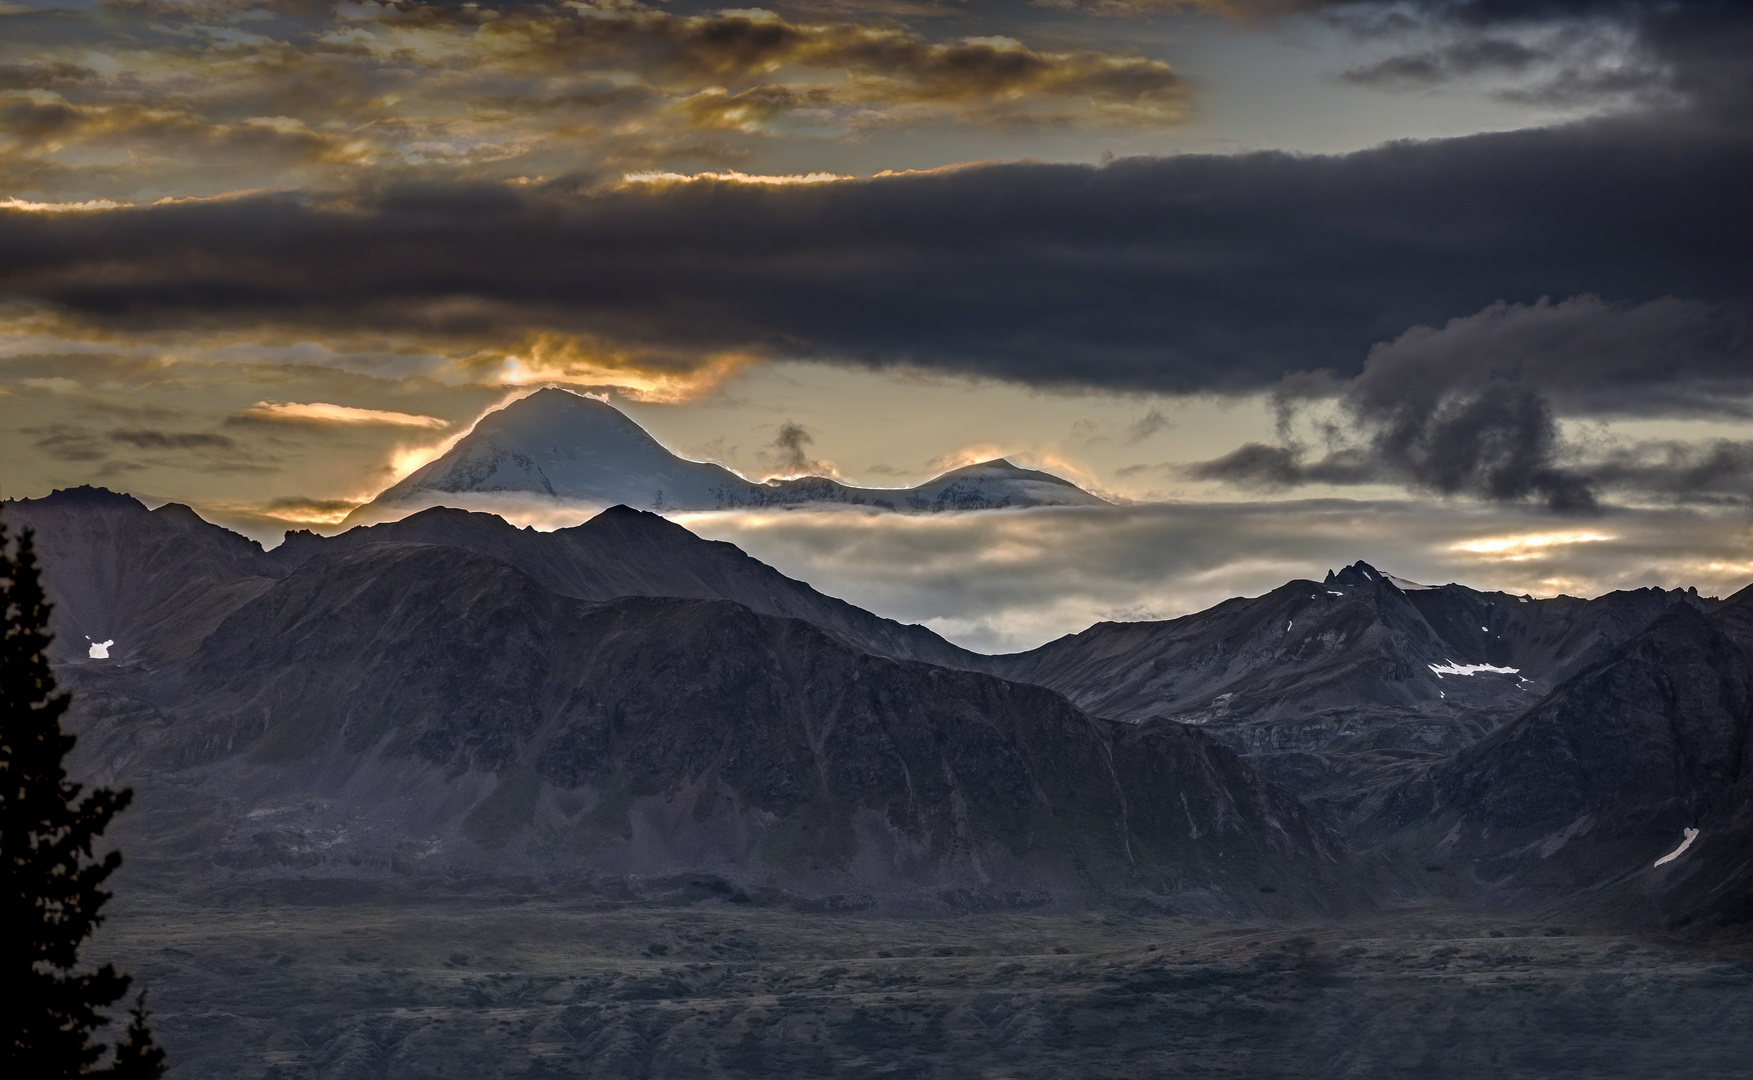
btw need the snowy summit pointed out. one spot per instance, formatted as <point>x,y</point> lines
<point>558,448</point>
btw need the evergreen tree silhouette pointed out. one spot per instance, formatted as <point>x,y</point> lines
<point>52,887</point>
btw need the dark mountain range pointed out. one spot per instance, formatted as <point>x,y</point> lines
<point>626,552</point>
<point>1337,686</point>
<point>375,705</point>
<point>557,448</point>
<point>154,582</point>
<point>450,695</point>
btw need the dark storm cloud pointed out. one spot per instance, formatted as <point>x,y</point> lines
<point>1472,407</point>
<point>1717,472</point>
<point>1181,274</point>
<point>1499,443</point>
<point>1469,408</point>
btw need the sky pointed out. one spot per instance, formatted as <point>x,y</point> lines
<point>1457,287</point>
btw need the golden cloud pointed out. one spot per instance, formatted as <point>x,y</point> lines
<point>1520,546</point>
<point>344,96</point>
<point>732,177</point>
<point>321,412</point>
<point>557,360</point>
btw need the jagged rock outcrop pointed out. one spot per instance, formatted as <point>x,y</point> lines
<point>1340,687</point>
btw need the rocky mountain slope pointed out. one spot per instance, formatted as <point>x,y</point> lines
<point>449,695</point>
<point>392,705</point>
<point>627,552</point>
<point>556,448</point>
<point>1338,686</point>
<point>153,583</point>
<point>1628,787</point>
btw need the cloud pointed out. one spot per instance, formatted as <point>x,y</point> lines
<point>303,508</point>
<point>1471,408</point>
<point>321,412</point>
<point>267,521</point>
<point>1594,66</point>
<point>132,106</point>
<point>111,453</point>
<point>1147,425</point>
<point>1266,467</point>
<point>789,452</point>
<point>790,444</point>
<point>884,60</point>
<point>732,177</point>
<point>1499,443</point>
<point>1453,61</point>
<point>1717,471</point>
<point>1183,275</point>
<point>171,440</point>
<point>1246,10</point>
<point>977,577</point>
<point>1253,465</point>
<point>1468,408</point>
<point>1623,54</point>
<point>1567,349</point>
<point>68,443</point>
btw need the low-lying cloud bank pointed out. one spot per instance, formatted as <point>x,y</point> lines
<point>1007,581</point>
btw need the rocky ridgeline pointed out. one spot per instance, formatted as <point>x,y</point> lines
<point>396,701</point>
<point>448,697</point>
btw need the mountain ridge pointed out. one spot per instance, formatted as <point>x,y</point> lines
<point>513,690</point>
<point>393,703</point>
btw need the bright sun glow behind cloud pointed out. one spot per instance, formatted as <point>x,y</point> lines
<point>555,360</point>
<point>1526,546</point>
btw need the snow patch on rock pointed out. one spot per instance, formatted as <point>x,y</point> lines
<point>1449,667</point>
<point>1691,835</point>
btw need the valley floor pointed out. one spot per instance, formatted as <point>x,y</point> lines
<point>247,987</point>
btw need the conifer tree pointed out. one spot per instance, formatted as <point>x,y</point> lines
<point>51,886</point>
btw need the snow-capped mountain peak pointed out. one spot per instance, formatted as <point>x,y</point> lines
<point>565,450</point>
